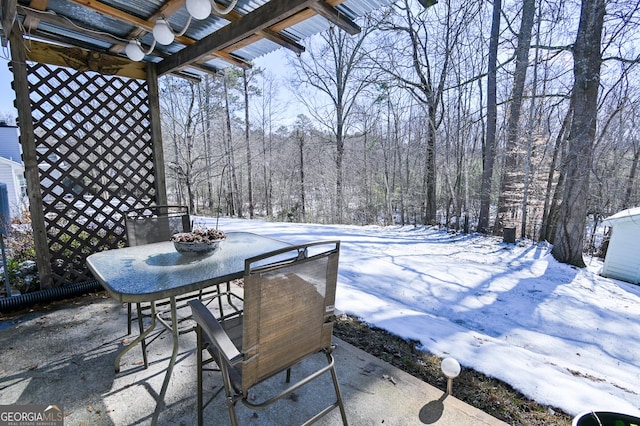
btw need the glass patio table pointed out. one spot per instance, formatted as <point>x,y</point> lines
<point>154,272</point>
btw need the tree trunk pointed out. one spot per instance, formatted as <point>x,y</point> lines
<point>547,223</point>
<point>266,173</point>
<point>632,175</point>
<point>189,129</point>
<point>339,157</point>
<point>587,58</point>
<point>247,141</point>
<point>208,148</point>
<point>233,202</point>
<point>489,149</point>
<point>531,129</point>
<point>430,171</point>
<point>226,138</point>
<point>507,203</point>
<point>301,156</point>
<point>386,153</point>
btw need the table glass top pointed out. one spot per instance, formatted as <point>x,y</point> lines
<point>155,271</point>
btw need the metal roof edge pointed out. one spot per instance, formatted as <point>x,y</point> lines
<point>631,214</point>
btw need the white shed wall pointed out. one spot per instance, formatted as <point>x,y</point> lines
<point>623,255</point>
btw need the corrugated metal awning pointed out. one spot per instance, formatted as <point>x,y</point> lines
<point>252,29</point>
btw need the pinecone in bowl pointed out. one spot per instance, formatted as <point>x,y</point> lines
<point>198,242</point>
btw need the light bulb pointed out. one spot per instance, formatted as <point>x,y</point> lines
<point>133,51</point>
<point>162,32</point>
<point>450,368</point>
<point>199,9</point>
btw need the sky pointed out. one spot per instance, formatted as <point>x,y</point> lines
<point>563,336</point>
<point>7,96</point>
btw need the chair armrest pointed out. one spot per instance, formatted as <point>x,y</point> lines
<point>214,331</point>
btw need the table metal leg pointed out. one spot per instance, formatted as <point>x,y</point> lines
<point>173,327</point>
<point>143,343</point>
<point>138,339</point>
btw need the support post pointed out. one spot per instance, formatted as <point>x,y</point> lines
<point>27,140</point>
<point>156,134</point>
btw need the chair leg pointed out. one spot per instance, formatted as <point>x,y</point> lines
<point>336,386</point>
<point>143,343</point>
<point>128,319</point>
<point>228,390</point>
<point>199,378</point>
<point>219,301</point>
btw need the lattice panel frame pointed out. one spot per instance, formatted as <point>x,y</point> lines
<point>95,161</point>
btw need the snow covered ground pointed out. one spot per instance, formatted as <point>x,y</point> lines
<point>561,335</point>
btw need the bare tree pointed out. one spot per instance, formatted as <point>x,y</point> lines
<point>268,110</point>
<point>210,111</point>
<point>587,59</point>
<point>489,146</point>
<point>335,70</point>
<point>186,162</point>
<point>423,152</point>
<point>234,196</point>
<point>508,191</point>
<point>247,90</point>
<point>552,193</point>
<point>413,65</point>
<point>302,130</point>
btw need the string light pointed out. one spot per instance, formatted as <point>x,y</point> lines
<point>199,9</point>
<point>134,50</point>
<point>164,34</point>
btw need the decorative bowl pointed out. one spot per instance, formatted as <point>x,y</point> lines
<point>198,242</point>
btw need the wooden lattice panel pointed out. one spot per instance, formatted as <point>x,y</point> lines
<point>95,159</point>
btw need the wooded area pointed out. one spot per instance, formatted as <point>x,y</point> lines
<point>469,114</point>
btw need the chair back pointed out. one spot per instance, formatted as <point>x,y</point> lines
<point>289,297</point>
<point>154,224</point>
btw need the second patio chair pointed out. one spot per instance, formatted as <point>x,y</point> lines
<point>288,317</point>
<point>153,224</point>
<point>147,225</point>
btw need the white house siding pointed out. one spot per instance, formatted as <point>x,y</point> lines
<point>623,255</point>
<point>12,174</point>
<point>11,168</point>
<point>9,143</point>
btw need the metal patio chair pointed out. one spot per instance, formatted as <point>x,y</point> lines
<point>154,224</point>
<point>288,316</point>
<point>147,225</point>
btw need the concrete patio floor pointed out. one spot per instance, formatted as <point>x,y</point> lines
<point>63,353</point>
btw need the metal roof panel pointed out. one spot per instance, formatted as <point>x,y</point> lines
<point>93,21</point>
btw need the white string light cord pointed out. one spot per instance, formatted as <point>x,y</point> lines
<point>201,9</point>
<point>224,11</point>
<point>133,47</point>
<point>52,13</point>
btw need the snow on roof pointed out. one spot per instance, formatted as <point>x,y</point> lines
<point>624,215</point>
<point>13,164</point>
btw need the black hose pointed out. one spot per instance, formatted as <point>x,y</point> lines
<point>13,303</point>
